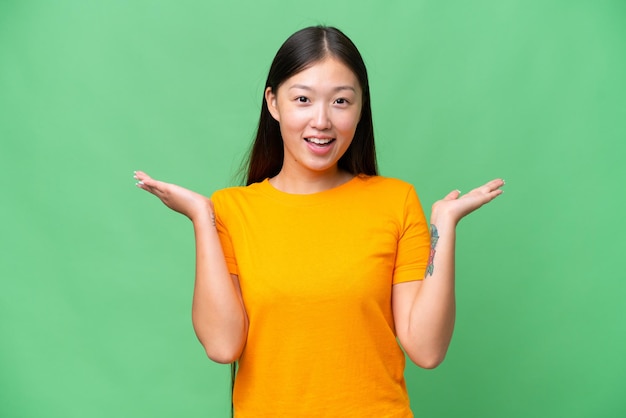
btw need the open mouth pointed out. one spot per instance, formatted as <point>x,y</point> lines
<point>319,141</point>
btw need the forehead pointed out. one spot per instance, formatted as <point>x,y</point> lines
<point>328,73</point>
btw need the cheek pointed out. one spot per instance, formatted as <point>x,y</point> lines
<point>348,123</point>
<point>293,121</point>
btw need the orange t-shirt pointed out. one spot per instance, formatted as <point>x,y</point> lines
<point>316,274</point>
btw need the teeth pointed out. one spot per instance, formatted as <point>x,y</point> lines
<point>319,141</point>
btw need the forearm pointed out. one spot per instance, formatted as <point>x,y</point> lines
<point>433,311</point>
<point>424,311</point>
<point>218,314</point>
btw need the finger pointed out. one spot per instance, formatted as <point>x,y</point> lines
<point>488,187</point>
<point>152,183</point>
<point>148,184</point>
<point>493,185</point>
<point>453,195</point>
<point>146,180</point>
<point>140,175</point>
<point>157,188</point>
<point>488,197</point>
<point>147,188</point>
<point>495,193</point>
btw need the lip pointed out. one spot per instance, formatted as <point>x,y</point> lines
<point>322,137</point>
<point>320,149</point>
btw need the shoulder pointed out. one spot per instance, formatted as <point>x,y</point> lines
<point>234,199</point>
<point>391,193</point>
<point>385,185</point>
<point>236,192</point>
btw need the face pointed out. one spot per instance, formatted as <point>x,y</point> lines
<point>318,110</point>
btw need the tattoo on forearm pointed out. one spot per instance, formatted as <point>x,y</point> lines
<point>434,237</point>
<point>213,218</point>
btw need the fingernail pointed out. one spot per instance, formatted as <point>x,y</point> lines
<point>139,183</point>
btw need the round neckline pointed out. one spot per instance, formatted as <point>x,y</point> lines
<point>310,198</point>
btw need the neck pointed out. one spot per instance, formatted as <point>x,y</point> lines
<point>309,183</point>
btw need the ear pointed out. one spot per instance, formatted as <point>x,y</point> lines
<point>270,99</point>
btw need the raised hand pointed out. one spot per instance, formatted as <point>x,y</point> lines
<point>179,199</point>
<point>456,206</point>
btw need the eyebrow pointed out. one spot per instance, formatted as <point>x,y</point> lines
<point>338,88</point>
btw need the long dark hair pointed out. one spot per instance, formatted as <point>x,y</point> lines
<point>301,50</point>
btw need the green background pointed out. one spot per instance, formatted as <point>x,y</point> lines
<point>96,276</point>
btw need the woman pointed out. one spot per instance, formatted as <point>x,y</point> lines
<point>311,274</point>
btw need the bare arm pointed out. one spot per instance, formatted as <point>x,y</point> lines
<point>218,313</point>
<point>424,311</point>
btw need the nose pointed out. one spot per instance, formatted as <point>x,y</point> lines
<point>321,118</point>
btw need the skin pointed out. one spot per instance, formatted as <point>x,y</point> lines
<point>424,311</point>
<point>218,314</point>
<point>323,101</point>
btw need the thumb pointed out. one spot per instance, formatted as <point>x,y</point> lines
<point>453,195</point>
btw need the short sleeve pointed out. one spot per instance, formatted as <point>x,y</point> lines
<point>222,231</point>
<point>413,243</point>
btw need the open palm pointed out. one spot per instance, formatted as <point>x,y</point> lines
<point>456,206</point>
<point>179,199</point>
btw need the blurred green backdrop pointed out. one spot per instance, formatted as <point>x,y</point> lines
<point>96,276</point>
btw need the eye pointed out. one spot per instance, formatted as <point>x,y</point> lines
<point>302,99</point>
<point>341,101</point>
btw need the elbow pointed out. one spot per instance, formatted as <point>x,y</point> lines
<point>426,359</point>
<point>222,357</point>
<point>222,354</point>
<point>222,349</point>
<point>428,362</point>
<point>222,345</point>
